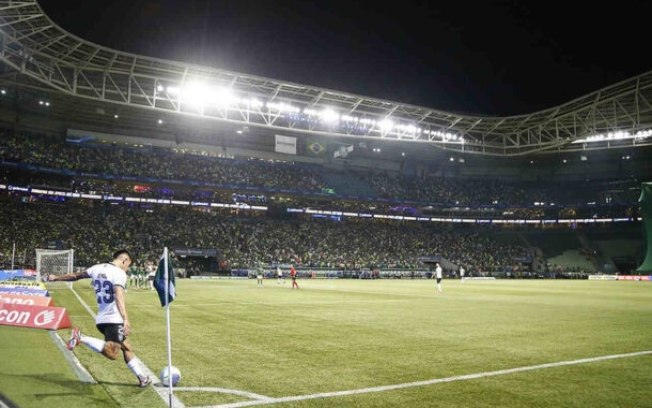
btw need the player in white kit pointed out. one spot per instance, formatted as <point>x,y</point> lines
<point>438,275</point>
<point>279,275</point>
<point>109,281</point>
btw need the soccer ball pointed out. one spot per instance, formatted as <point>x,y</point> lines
<point>165,376</point>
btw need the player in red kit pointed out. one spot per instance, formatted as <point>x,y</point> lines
<point>293,275</point>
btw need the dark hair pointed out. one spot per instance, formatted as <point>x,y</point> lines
<point>117,253</point>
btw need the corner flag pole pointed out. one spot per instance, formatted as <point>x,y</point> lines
<point>167,317</point>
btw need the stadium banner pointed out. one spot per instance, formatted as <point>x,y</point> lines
<point>196,252</point>
<point>286,144</point>
<point>602,277</point>
<point>634,277</point>
<point>22,284</point>
<point>26,300</point>
<point>315,148</point>
<point>8,274</point>
<point>24,291</point>
<point>35,317</point>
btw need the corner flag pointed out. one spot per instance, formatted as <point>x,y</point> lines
<point>164,281</point>
<point>164,284</point>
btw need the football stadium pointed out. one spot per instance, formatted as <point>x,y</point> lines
<point>279,244</point>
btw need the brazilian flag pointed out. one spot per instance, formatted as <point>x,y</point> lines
<point>315,148</point>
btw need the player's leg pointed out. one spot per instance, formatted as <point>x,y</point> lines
<point>113,336</point>
<point>109,349</point>
<point>93,343</point>
<point>134,364</point>
<point>116,341</point>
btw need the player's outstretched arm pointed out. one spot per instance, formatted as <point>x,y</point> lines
<point>68,277</point>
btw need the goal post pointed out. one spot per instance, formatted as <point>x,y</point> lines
<point>54,262</point>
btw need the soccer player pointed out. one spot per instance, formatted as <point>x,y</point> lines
<point>259,276</point>
<point>293,275</point>
<point>462,271</point>
<point>109,280</point>
<point>279,274</point>
<point>151,273</point>
<point>437,275</point>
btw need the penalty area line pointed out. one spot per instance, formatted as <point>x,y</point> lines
<point>430,382</point>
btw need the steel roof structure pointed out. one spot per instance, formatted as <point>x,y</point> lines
<point>35,47</point>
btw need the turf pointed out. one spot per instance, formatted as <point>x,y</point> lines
<point>336,335</point>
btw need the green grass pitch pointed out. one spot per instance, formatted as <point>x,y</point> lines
<point>339,335</point>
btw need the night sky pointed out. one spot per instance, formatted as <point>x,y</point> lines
<point>484,57</point>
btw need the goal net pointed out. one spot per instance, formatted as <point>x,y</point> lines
<point>53,262</point>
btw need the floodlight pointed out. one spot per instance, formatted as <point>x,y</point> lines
<point>618,135</point>
<point>223,96</point>
<point>386,125</point>
<point>195,94</point>
<point>329,116</point>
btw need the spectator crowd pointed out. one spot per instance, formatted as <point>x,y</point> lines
<point>95,228</point>
<point>176,169</point>
<point>247,239</point>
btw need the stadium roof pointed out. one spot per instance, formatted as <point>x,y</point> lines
<point>46,56</point>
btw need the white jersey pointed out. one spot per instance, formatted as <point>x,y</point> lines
<point>438,272</point>
<point>462,272</point>
<point>105,277</point>
<point>279,272</point>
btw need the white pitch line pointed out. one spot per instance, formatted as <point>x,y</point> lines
<point>163,392</point>
<point>227,391</point>
<point>427,382</point>
<point>71,358</point>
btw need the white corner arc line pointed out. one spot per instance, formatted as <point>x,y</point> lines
<point>227,391</point>
<point>429,382</point>
<point>163,392</point>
